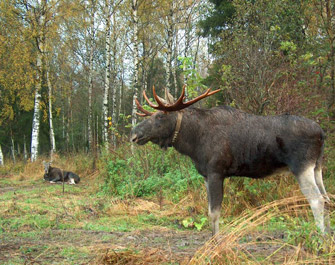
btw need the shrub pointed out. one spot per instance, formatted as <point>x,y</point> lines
<point>149,171</point>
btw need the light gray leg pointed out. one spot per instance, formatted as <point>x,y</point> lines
<point>309,188</point>
<point>214,186</point>
<point>319,183</point>
<point>71,181</point>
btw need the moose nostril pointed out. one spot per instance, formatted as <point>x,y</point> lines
<point>133,138</point>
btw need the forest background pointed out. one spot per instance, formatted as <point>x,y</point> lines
<point>69,73</point>
<point>70,70</point>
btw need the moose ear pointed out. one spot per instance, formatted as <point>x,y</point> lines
<point>169,98</point>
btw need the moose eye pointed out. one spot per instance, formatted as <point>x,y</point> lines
<point>160,117</point>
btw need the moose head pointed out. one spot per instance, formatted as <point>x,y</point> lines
<point>162,127</point>
<point>46,167</point>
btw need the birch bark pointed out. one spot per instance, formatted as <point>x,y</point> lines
<point>114,82</point>
<point>52,134</point>
<point>169,49</point>
<point>25,153</point>
<point>107,75</point>
<point>136,62</point>
<point>2,163</point>
<point>90,78</point>
<point>36,117</point>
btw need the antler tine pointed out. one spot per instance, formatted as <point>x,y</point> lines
<point>179,105</point>
<point>161,105</point>
<point>213,92</point>
<point>145,112</point>
<point>181,98</point>
<point>204,95</point>
<point>148,100</point>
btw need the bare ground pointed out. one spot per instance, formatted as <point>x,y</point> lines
<point>144,245</point>
<point>47,246</point>
<point>171,246</point>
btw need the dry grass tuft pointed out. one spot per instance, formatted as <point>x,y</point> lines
<point>122,256</point>
<point>227,248</point>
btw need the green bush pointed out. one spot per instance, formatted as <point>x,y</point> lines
<point>150,171</point>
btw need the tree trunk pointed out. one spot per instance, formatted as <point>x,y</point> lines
<point>114,86</point>
<point>169,49</point>
<point>107,77</point>
<point>13,149</point>
<point>90,78</point>
<point>25,153</point>
<point>2,163</point>
<point>52,134</point>
<point>36,117</point>
<point>136,62</point>
<point>175,69</point>
<point>68,126</point>
<point>332,72</point>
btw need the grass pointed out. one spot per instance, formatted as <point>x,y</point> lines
<point>299,241</point>
<point>40,224</point>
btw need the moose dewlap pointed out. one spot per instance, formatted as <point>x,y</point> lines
<point>223,142</point>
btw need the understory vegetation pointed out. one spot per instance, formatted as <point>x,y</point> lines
<point>131,204</point>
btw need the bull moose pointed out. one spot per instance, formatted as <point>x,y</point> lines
<point>224,142</point>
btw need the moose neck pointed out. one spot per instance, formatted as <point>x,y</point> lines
<point>186,135</point>
<point>177,128</point>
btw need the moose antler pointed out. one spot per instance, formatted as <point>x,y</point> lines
<point>145,112</point>
<point>178,105</point>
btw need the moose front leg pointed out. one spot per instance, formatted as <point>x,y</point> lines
<point>56,179</point>
<point>214,186</point>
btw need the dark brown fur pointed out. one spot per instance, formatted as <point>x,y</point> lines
<point>224,142</point>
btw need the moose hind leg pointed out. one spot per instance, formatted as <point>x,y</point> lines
<point>319,183</point>
<point>214,186</point>
<point>309,188</point>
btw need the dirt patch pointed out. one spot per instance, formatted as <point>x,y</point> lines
<point>165,245</point>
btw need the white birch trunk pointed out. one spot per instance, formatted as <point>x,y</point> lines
<point>25,153</point>
<point>107,77</point>
<point>175,66</point>
<point>67,133</point>
<point>121,87</point>
<point>114,107</point>
<point>136,63</point>
<point>169,49</point>
<point>90,78</point>
<point>52,134</point>
<point>36,117</point>
<point>186,51</point>
<point>2,163</point>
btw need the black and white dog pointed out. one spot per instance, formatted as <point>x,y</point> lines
<point>54,174</point>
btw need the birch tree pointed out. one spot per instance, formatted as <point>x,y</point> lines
<point>90,75</point>
<point>107,72</point>
<point>51,134</point>
<point>136,60</point>
<point>38,28</point>
<point>170,32</point>
<point>115,110</point>
<point>2,163</point>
